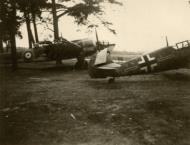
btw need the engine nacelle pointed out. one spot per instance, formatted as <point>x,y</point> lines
<point>88,46</point>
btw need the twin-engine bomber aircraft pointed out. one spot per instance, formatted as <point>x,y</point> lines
<point>64,49</point>
<point>168,58</point>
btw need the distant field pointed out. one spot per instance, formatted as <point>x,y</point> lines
<point>61,106</point>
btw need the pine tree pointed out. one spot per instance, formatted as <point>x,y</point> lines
<point>80,11</point>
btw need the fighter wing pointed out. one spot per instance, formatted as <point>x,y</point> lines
<point>110,66</point>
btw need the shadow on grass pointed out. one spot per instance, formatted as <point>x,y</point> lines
<point>64,68</point>
<point>103,84</point>
<point>122,84</point>
<point>177,76</point>
<point>171,121</point>
<point>51,67</point>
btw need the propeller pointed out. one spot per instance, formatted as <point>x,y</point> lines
<point>100,45</point>
<point>97,41</point>
<point>167,43</point>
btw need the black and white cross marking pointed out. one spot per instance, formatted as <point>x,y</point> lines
<point>147,63</point>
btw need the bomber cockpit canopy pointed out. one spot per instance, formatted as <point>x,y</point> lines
<point>182,44</point>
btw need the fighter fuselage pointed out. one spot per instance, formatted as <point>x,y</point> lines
<point>163,59</point>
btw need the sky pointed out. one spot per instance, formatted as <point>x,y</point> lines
<point>141,25</point>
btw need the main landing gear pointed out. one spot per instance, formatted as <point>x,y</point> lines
<point>81,63</point>
<point>111,80</point>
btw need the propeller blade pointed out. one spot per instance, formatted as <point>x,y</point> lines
<point>167,43</point>
<point>97,40</point>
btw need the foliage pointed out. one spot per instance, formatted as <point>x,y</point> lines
<point>29,6</point>
<point>33,6</point>
<point>83,9</point>
<point>7,22</point>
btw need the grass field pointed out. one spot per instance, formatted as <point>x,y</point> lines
<point>60,106</point>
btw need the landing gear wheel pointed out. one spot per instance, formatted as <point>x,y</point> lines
<point>111,80</point>
<point>81,65</point>
<point>77,65</point>
<point>28,56</point>
<point>85,64</point>
<point>58,62</point>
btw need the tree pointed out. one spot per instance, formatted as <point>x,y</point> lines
<point>25,7</point>
<point>10,24</point>
<point>35,26</point>
<point>1,39</point>
<point>32,9</point>
<point>55,21</point>
<point>36,10</point>
<point>80,11</point>
<point>12,35</point>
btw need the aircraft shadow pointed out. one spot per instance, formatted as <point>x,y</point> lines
<point>48,66</point>
<point>121,84</point>
<point>140,80</point>
<point>177,76</point>
<point>59,68</point>
<point>103,84</point>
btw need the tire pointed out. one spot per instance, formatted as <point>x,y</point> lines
<point>111,80</point>
<point>81,65</point>
<point>85,64</point>
<point>28,56</point>
<point>77,65</point>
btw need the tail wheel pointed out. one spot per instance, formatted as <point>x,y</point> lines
<point>28,56</point>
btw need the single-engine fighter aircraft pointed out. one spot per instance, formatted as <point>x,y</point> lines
<point>64,49</point>
<point>168,58</point>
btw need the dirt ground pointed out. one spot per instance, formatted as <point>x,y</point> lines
<point>61,106</point>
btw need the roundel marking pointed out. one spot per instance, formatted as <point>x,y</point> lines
<point>28,55</point>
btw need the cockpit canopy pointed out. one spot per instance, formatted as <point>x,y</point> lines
<point>182,44</point>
